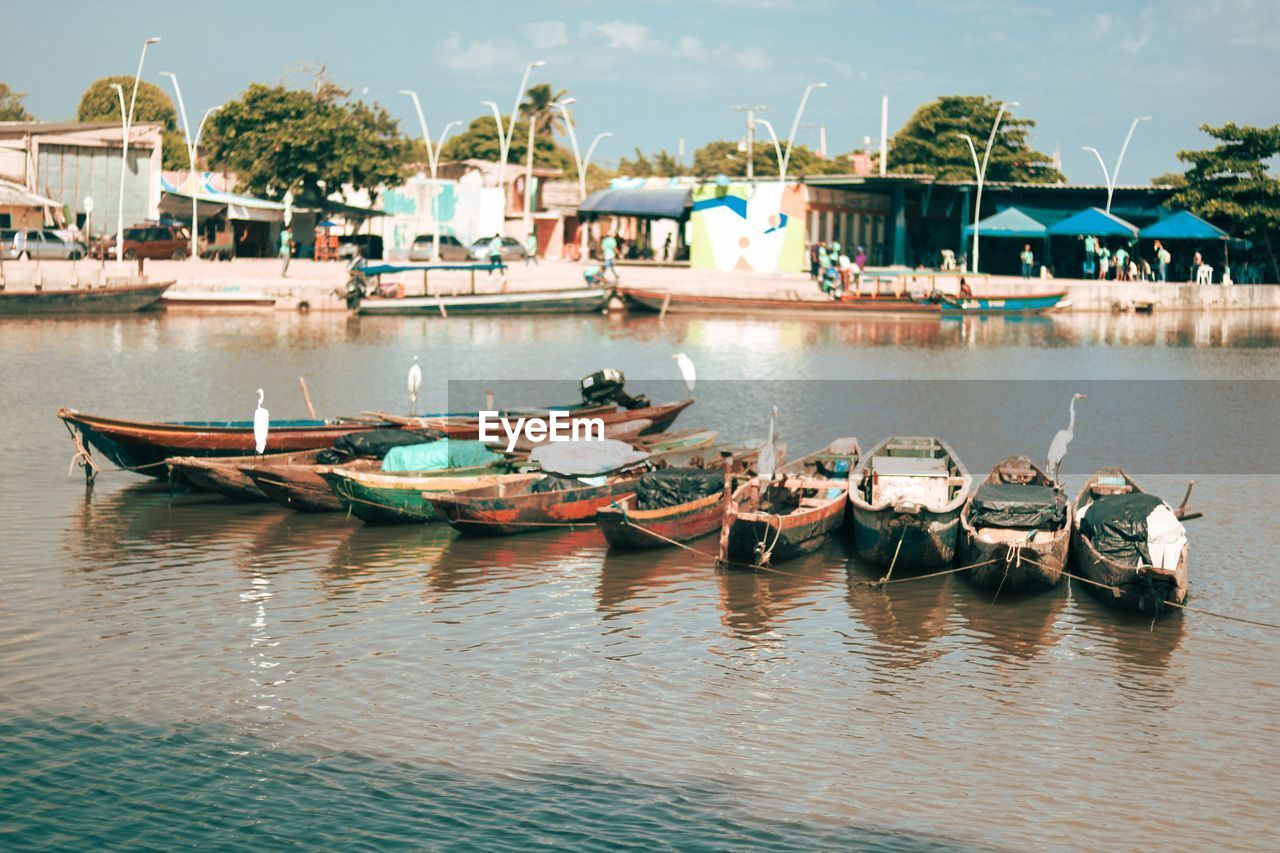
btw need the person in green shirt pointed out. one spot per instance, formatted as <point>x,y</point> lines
<point>1104,261</point>
<point>593,276</point>
<point>286,250</point>
<point>1028,260</point>
<point>1122,264</point>
<point>495,254</point>
<point>531,249</point>
<point>609,250</point>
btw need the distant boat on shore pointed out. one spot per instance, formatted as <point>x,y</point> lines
<point>112,299</point>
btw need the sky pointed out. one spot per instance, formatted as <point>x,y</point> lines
<point>655,72</point>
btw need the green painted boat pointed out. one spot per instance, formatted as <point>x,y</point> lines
<point>377,497</point>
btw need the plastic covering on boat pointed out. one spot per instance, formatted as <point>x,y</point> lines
<point>1017,505</point>
<point>376,443</point>
<point>554,483</point>
<point>674,486</point>
<point>439,455</point>
<point>1136,529</point>
<point>586,458</point>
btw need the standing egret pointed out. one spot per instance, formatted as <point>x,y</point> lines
<point>686,370</point>
<point>261,425</point>
<point>415,382</point>
<point>1058,448</point>
<point>768,460</point>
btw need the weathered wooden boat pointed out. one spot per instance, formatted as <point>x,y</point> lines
<point>1130,543</point>
<point>506,509</point>
<point>906,498</point>
<point>659,416</point>
<point>112,299</point>
<point>678,503</point>
<point>222,474</point>
<point>575,300</point>
<point>297,483</point>
<point>793,514</point>
<point>1027,303</point>
<point>143,446</point>
<point>378,497</point>
<point>666,301</point>
<point>1015,530</point>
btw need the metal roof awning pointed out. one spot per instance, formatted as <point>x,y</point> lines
<point>16,195</point>
<point>1183,225</point>
<point>1093,221</point>
<point>643,203</point>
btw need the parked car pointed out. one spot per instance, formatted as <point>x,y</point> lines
<point>157,242</point>
<point>451,249</point>
<point>368,246</point>
<point>512,249</point>
<point>43,244</point>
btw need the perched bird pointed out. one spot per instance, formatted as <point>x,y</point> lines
<point>768,461</point>
<point>1058,447</point>
<point>415,382</point>
<point>261,425</point>
<point>686,370</point>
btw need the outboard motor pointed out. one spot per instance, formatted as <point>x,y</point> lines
<point>606,386</point>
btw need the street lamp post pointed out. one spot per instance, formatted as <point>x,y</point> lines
<point>580,161</point>
<point>193,146</point>
<point>433,160</point>
<point>506,134</point>
<point>127,123</point>
<point>982,171</point>
<point>795,125</point>
<point>1113,177</point>
<point>777,148</point>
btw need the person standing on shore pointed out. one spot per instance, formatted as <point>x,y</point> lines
<point>609,250</point>
<point>286,250</point>
<point>531,249</point>
<point>1028,260</point>
<point>1122,263</point>
<point>495,254</point>
<point>813,261</point>
<point>1162,262</point>
<point>1104,261</point>
<point>1090,256</point>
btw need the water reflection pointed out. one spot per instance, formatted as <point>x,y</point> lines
<point>898,626</point>
<point>1011,627</point>
<point>1140,649</point>
<point>637,581</point>
<point>755,604</point>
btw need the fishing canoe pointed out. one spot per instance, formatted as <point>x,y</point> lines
<point>1131,582</point>
<point>1015,530</point>
<point>1030,303</point>
<point>113,299</point>
<point>143,446</point>
<point>223,475</point>
<point>659,417</point>
<point>851,306</point>
<point>566,301</point>
<point>506,509</point>
<point>795,514</point>
<point>296,483</point>
<point>906,497</point>
<point>377,497</point>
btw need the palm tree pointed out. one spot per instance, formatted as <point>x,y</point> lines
<point>537,103</point>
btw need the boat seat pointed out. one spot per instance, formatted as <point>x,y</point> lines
<point>1017,473</point>
<point>1103,489</point>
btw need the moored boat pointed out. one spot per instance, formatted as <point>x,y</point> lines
<point>851,305</point>
<point>1024,303</point>
<point>794,513</point>
<point>906,498</point>
<point>297,483</point>
<point>575,300</point>
<point>111,299</point>
<point>1015,530</point>
<point>1129,543</point>
<point>377,497</point>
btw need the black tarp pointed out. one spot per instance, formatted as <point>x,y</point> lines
<point>1117,526</point>
<point>1020,506</point>
<point>674,486</point>
<point>376,443</point>
<point>555,483</point>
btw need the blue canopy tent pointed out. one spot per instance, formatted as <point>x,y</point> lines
<point>1093,222</point>
<point>1010,222</point>
<point>1183,225</point>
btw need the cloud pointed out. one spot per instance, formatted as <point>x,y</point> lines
<point>1135,44</point>
<point>755,59</point>
<point>844,69</point>
<point>545,35</point>
<point>1102,23</point>
<point>623,35</point>
<point>476,55</point>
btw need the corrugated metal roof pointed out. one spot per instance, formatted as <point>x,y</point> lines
<point>16,195</point>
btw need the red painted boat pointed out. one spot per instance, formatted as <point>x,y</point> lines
<point>143,446</point>
<point>659,417</point>
<point>507,509</point>
<point>851,305</point>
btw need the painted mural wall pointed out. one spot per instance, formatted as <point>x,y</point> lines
<point>466,208</point>
<point>751,227</point>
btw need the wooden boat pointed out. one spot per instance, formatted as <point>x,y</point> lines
<point>296,483</point>
<point>143,446</point>
<point>1015,529</point>
<point>795,514</point>
<point>1027,303</point>
<point>377,497</point>
<point>1132,582</point>
<point>112,299</point>
<point>626,523</point>
<point>669,301</point>
<point>576,300</point>
<point>222,474</point>
<point>906,497</point>
<point>506,509</point>
<point>660,416</point>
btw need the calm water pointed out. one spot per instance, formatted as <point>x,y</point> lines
<point>176,669</point>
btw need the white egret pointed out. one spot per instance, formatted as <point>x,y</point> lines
<point>686,370</point>
<point>1058,448</point>
<point>415,382</point>
<point>768,455</point>
<point>261,425</point>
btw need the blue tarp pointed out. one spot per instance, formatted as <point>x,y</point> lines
<point>439,455</point>
<point>652,204</point>
<point>1183,225</point>
<point>1093,221</point>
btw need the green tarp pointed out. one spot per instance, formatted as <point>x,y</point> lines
<point>439,455</point>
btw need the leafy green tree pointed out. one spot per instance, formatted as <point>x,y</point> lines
<point>277,139</point>
<point>929,143</point>
<point>11,108</point>
<point>101,103</point>
<point>538,100</point>
<point>1169,179</point>
<point>722,157</point>
<point>480,142</point>
<point>662,163</point>
<point>1231,184</point>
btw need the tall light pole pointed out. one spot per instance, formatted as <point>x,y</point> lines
<point>433,160</point>
<point>777,147</point>
<point>1112,178</point>
<point>751,111</point>
<point>795,125</point>
<point>127,119</point>
<point>193,146</point>
<point>506,134</point>
<point>580,161</point>
<point>982,171</point>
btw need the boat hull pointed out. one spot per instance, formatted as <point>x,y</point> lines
<point>1029,567</point>
<point>82,300</point>
<point>928,539</point>
<point>214,475</point>
<point>508,515</point>
<point>377,498</point>
<point>659,418</point>
<point>1032,303</point>
<point>661,300</point>
<point>1144,590</point>
<point>627,528</point>
<point>569,301</point>
<point>754,537</point>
